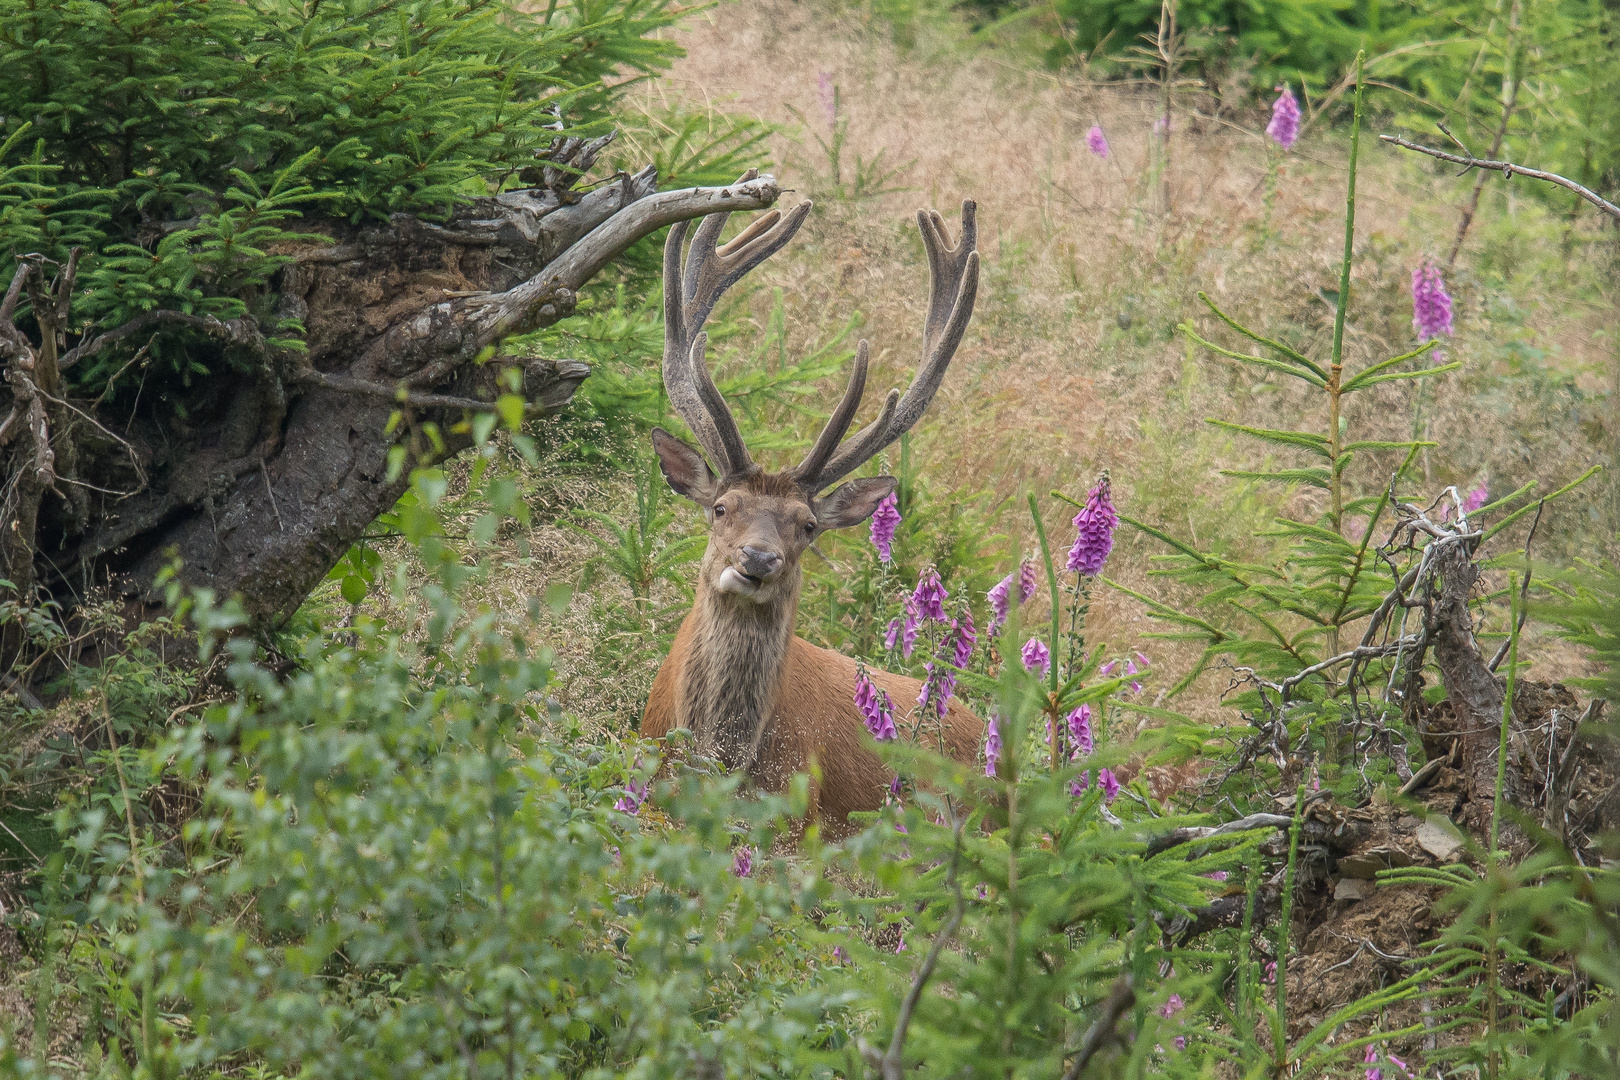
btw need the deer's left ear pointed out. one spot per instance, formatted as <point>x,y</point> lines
<point>854,502</point>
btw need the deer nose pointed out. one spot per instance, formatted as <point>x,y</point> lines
<point>759,563</point>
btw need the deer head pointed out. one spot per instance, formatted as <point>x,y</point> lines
<point>761,522</point>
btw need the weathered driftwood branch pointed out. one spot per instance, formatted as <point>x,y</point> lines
<point>278,461</point>
<point>1509,170</point>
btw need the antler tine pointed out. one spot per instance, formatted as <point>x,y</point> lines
<point>736,459</point>
<point>953,288</point>
<point>690,294</point>
<point>722,268</point>
<point>684,396</point>
<point>946,265</point>
<point>702,255</point>
<point>838,423</point>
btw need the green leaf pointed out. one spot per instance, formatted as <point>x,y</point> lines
<point>1304,440</point>
<point>1368,375</point>
<point>1260,361</point>
<point>353,588</point>
<point>1313,477</point>
<point>1270,343</point>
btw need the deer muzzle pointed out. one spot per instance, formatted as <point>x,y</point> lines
<point>751,569</point>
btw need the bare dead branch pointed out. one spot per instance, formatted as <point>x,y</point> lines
<point>206,323</point>
<point>1120,998</point>
<point>1509,170</point>
<point>893,1062</point>
<point>1177,837</point>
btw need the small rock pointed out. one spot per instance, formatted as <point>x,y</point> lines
<point>1350,888</point>
<point>1407,823</point>
<point>1367,864</point>
<point>1440,842</point>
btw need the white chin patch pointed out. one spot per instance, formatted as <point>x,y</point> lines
<point>731,581</point>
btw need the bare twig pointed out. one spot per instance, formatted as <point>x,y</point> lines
<point>1177,837</point>
<point>269,490</point>
<point>1508,169</point>
<point>1120,998</point>
<point>236,329</point>
<point>396,392</point>
<point>892,1065</point>
<point>1524,591</point>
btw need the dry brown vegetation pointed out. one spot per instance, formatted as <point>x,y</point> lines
<point>1073,363</point>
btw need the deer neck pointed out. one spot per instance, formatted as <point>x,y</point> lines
<point>733,672</point>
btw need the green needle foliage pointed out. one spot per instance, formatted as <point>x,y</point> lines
<point>1289,625</point>
<point>178,141</point>
<point>642,552</point>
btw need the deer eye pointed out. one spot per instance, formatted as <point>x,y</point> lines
<point>719,510</point>
<point>810,528</point>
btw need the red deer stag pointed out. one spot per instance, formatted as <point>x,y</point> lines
<point>752,693</point>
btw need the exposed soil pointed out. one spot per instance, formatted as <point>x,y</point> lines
<point>1355,936</point>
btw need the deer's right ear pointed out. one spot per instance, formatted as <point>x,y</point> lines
<point>685,469</point>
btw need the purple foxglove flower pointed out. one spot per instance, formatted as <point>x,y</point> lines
<point>1000,604</point>
<point>1475,499</point>
<point>908,632</point>
<point>1373,1072</point>
<point>1109,783</point>
<point>937,688</point>
<point>839,955</point>
<point>962,640</point>
<point>992,746</point>
<point>1094,531</point>
<point>1181,1042</point>
<point>874,707</point>
<point>1080,729</point>
<point>1216,875</point>
<point>894,786</point>
<point>892,634</point>
<point>930,596</point>
<point>743,864</point>
<point>1037,655</point>
<point>1096,142</point>
<point>1108,668</point>
<point>1397,1062</point>
<point>1130,669</point>
<point>827,94</point>
<point>1284,126</point>
<point>884,521</point>
<point>1431,304</point>
<point>1080,784</point>
<point>1172,1006</point>
<point>900,948</point>
<point>1026,581</point>
<point>1271,972</point>
<point>634,795</point>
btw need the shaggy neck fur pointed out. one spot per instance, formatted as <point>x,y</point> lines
<point>738,652</point>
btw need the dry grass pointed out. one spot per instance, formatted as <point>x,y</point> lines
<point>1073,364</point>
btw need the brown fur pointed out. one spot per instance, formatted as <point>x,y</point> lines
<point>754,695</point>
<point>814,717</point>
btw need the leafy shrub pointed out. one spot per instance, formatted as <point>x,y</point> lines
<point>393,867</point>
